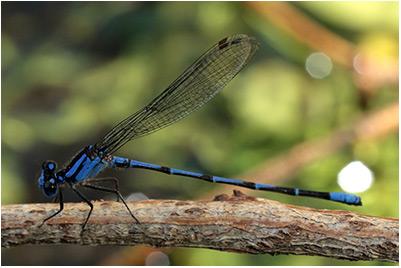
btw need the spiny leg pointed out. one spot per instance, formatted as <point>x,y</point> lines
<point>99,188</point>
<point>87,201</point>
<point>96,180</point>
<point>55,199</point>
<point>60,195</point>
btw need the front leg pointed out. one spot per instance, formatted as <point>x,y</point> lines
<point>60,195</point>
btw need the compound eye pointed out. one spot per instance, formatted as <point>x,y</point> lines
<point>50,189</point>
<point>49,166</point>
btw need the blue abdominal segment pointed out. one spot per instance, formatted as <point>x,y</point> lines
<point>349,199</point>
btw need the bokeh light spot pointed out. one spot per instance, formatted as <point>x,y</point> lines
<point>355,177</point>
<point>318,65</point>
<point>157,258</point>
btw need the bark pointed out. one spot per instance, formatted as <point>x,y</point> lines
<point>239,223</point>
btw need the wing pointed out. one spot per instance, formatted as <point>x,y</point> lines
<point>197,85</point>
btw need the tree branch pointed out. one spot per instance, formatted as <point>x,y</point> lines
<point>239,223</point>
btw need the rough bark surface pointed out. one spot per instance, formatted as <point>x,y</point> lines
<point>239,223</point>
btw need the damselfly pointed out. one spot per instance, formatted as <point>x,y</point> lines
<point>197,85</point>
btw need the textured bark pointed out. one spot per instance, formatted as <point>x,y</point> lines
<point>239,223</point>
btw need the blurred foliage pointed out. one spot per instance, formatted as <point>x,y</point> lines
<point>72,70</point>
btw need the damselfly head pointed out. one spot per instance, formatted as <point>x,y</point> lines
<point>47,180</point>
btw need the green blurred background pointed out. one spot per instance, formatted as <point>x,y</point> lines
<point>72,70</point>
